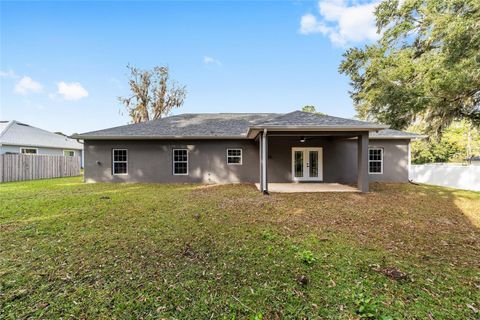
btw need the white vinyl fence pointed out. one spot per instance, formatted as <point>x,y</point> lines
<point>17,167</point>
<point>447,175</point>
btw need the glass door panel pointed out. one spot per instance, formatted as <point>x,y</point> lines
<point>313,164</point>
<point>298,164</point>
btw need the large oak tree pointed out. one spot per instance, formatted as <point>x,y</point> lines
<point>425,66</point>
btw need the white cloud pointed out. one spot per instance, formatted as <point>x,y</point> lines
<point>210,60</point>
<point>116,82</point>
<point>8,74</point>
<point>309,24</point>
<point>27,85</point>
<point>344,22</point>
<point>71,91</point>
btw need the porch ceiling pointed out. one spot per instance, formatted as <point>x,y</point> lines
<point>308,187</point>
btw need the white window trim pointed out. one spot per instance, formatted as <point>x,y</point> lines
<point>113,163</point>
<point>173,162</point>
<point>23,148</point>
<point>381,161</point>
<point>241,157</point>
<point>69,151</point>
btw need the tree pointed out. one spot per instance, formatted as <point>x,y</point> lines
<point>311,109</point>
<point>153,94</point>
<point>425,66</point>
<point>459,141</point>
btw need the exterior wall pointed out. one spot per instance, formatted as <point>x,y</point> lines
<point>339,162</point>
<point>339,159</point>
<point>395,160</point>
<point>151,160</point>
<point>41,150</point>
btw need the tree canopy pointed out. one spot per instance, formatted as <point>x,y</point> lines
<point>311,109</point>
<point>425,66</point>
<point>459,141</point>
<point>153,94</point>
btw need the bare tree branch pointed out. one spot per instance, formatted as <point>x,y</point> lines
<point>154,95</point>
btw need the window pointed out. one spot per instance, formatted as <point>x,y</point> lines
<point>375,160</point>
<point>180,161</point>
<point>68,153</point>
<point>234,156</point>
<point>120,161</point>
<point>29,150</point>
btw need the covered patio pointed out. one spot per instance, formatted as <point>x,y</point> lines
<point>308,187</point>
<point>298,153</point>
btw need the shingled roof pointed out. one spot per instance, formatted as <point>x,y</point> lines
<point>397,134</point>
<point>20,134</point>
<point>221,125</point>
<point>301,119</point>
<point>227,125</point>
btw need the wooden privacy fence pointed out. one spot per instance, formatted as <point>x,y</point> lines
<point>17,167</point>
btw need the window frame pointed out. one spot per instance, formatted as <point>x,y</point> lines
<point>68,150</point>
<point>176,161</point>
<point>118,161</point>
<point>382,153</point>
<point>25,148</point>
<point>241,157</point>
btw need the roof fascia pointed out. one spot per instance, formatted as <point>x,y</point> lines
<point>41,146</point>
<point>398,137</point>
<point>93,137</point>
<point>253,129</point>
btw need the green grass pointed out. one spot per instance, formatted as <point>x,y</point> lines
<point>116,251</point>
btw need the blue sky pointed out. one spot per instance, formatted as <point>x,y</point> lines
<point>63,64</point>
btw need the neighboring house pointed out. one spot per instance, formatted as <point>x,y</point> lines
<point>17,137</point>
<point>253,147</point>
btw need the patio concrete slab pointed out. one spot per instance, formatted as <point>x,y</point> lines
<point>308,187</point>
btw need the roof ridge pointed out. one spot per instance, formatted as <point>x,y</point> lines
<point>336,117</point>
<point>9,125</point>
<point>318,115</point>
<point>212,113</point>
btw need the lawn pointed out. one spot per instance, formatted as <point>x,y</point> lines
<point>116,251</point>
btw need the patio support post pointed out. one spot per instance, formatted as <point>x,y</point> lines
<point>362,161</point>
<point>265,161</point>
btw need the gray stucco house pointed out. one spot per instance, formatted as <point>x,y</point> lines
<point>248,147</point>
<point>18,137</point>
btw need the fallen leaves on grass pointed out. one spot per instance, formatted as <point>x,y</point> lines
<point>145,252</point>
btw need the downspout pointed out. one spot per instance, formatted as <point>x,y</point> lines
<point>260,158</point>
<point>265,162</point>
<point>409,161</point>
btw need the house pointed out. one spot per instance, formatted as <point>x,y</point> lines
<point>18,137</point>
<point>248,147</point>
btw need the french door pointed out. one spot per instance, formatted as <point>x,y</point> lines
<point>307,164</point>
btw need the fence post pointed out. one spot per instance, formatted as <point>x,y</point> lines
<point>1,168</point>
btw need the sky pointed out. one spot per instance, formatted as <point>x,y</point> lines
<point>63,64</point>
